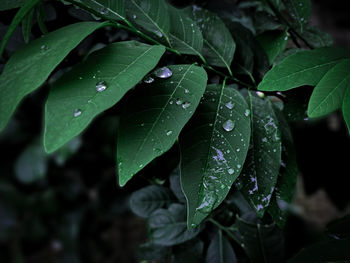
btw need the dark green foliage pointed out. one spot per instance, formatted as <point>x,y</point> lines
<point>189,83</point>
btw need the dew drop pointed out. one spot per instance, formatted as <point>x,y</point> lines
<point>229,105</point>
<point>178,101</point>
<point>231,171</point>
<point>193,225</point>
<point>134,16</point>
<point>247,112</point>
<point>44,48</point>
<point>185,105</point>
<point>103,11</point>
<point>187,91</point>
<point>158,33</point>
<point>77,113</point>
<point>168,133</point>
<point>163,73</point>
<point>228,125</point>
<point>148,80</point>
<point>260,94</point>
<point>101,86</point>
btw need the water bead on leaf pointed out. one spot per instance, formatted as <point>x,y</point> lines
<point>228,125</point>
<point>163,73</point>
<point>77,113</point>
<point>101,86</point>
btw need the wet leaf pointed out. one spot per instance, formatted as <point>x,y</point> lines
<point>299,10</point>
<point>273,42</point>
<point>110,9</point>
<point>220,250</point>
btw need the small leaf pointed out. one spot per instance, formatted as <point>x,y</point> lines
<point>155,116</point>
<point>110,9</point>
<point>273,42</point>
<point>262,243</point>
<point>303,68</point>
<point>148,199</point>
<point>220,250</point>
<point>324,252</point>
<point>218,46</point>
<point>11,4</point>
<point>287,178</point>
<point>30,66</point>
<point>300,11</point>
<point>168,226</point>
<point>213,149</point>
<point>25,9</point>
<point>259,176</point>
<point>329,92</point>
<point>346,108</point>
<point>151,16</point>
<point>185,35</point>
<point>91,87</point>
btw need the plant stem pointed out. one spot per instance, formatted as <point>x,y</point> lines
<point>227,230</point>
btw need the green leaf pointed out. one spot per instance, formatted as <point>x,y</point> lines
<point>10,4</point>
<point>93,86</point>
<point>110,9</point>
<point>324,252</point>
<point>273,42</point>
<point>151,16</point>
<point>31,165</point>
<point>300,11</point>
<point>339,228</point>
<point>220,250</point>
<point>303,68</point>
<point>25,9</point>
<point>218,46</point>
<point>155,116</point>
<point>287,178</point>
<point>175,185</point>
<point>148,199</point>
<point>185,35</point>
<point>189,252</point>
<point>168,226</point>
<point>329,92</point>
<point>30,66</point>
<point>262,243</point>
<point>346,108</point>
<point>259,176</point>
<point>27,24</point>
<point>213,149</point>
<point>317,38</point>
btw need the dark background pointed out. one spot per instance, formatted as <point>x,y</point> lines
<point>67,207</point>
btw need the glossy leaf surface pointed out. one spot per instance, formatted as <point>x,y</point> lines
<point>220,250</point>
<point>300,11</point>
<point>303,68</point>
<point>213,149</point>
<point>93,86</point>
<point>329,93</point>
<point>30,66</point>
<point>273,42</point>
<point>110,9</point>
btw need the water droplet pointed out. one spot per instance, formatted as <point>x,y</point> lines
<point>44,48</point>
<point>178,101</point>
<point>103,11</point>
<point>171,102</point>
<point>239,166</point>
<point>229,105</point>
<point>185,105</point>
<point>228,125</point>
<point>101,86</point>
<point>163,73</point>
<point>158,33</point>
<point>187,91</point>
<point>247,112</point>
<point>134,16</point>
<point>168,133</point>
<point>260,94</point>
<point>142,124</point>
<point>222,186</point>
<point>193,225</point>
<point>148,80</point>
<point>89,100</point>
<point>231,171</point>
<point>286,38</point>
<point>77,112</point>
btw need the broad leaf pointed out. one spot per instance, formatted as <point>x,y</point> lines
<point>185,36</point>
<point>30,66</point>
<point>262,243</point>
<point>273,42</point>
<point>10,4</point>
<point>346,108</point>
<point>154,117</point>
<point>339,228</point>
<point>302,68</point>
<point>151,16</point>
<point>317,38</point>
<point>110,9</point>
<point>218,46</point>
<point>168,226</point>
<point>213,149</point>
<point>148,199</point>
<point>287,178</point>
<point>261,168</point>
<point>300,11</point>
<point>25,9</point>
<point>324,252</point>
<point>329,93</point>
<point>220,250</point>
<point>93,86</point>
